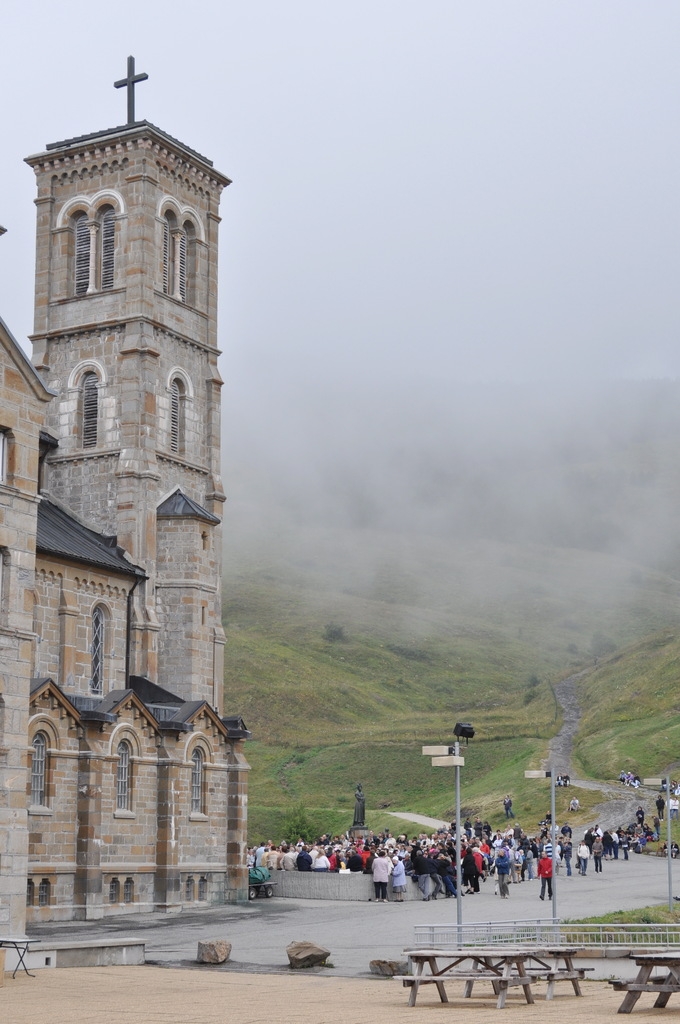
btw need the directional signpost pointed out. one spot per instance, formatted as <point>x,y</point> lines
<point>449,757</point>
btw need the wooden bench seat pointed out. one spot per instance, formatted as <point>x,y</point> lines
<point>620,985</point>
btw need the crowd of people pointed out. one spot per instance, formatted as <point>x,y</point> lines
<point>503,856</point>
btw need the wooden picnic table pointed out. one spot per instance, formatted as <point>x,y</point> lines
<point>663,985</point>
<point>504,967</point>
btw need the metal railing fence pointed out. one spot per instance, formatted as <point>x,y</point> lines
<point>535,932</point>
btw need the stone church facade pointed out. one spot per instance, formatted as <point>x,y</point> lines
<point>125,780</point>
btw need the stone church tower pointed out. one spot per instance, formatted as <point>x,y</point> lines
<point>126,334</point>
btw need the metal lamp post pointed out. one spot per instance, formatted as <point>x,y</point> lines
<point>449,757</point>
<point>549,774</point>
<point>658,783</point>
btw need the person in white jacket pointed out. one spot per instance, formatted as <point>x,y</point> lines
<point>583,856</point>
<point>382,869</point>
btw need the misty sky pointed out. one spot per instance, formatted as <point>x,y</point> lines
<point>425,195</point>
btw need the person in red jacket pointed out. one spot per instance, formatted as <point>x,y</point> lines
<point>545,873</point>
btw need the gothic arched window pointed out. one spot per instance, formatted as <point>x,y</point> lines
<point>197,781</point>
<point>82,253</point>
<point>123,777</point>
<point>97,650</point>
<point>90,410</point>
<point>38,769</point>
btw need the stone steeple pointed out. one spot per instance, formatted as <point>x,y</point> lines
<point>126,334</point>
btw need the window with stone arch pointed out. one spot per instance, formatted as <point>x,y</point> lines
<point>94,247</point>
<point>82,244</point>
<point>197,779</point>
<point>89,413</point>
<point>97,650</point>
<point>39,769</point>
<point>203,888</point>
<point>107,246</point>
<point>189,893</point>
<point>179,258</point>
<point>129,891</point>
<point>178,394</point>
<point>123,776</point>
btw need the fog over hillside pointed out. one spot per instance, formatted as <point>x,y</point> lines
<point>592,466</point>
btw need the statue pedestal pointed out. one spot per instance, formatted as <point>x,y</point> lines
<point>358,832</point>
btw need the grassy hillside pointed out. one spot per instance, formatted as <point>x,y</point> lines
<point>631,708</point>
<point>343,665</point>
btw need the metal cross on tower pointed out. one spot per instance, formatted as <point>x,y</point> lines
<point>129,84</point>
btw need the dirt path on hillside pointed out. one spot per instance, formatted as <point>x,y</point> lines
<point>620,803</point>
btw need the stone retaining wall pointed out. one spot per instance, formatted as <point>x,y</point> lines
<point>322,885</point>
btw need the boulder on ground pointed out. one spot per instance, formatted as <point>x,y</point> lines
<point>214,952</point>
<point>388,968</point>
<point>306,954</point>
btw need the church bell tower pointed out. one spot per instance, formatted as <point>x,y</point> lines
<point>126,334</point>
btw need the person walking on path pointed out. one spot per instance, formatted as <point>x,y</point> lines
<point>598,850</point>
<point>545,873</point>
<point>567,850</point>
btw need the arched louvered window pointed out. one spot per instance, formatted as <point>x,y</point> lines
<point>203,888</point>
<point>189,889</point>
<point>82,255</point>
<point>166,256</point>
<point>90,409</point>
<point>114,890</point>
<point>38,769</point>
<point>129,891</point>
<point>197,781</point>
<point>108,237</point>
<point>97,651</point>
<point>179,255</point>
<point>177,396</point>
<point>182,258</point>
<point>123,777</point>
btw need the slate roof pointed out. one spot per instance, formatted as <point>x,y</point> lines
<point>179,505</point>
<point>61,535</point>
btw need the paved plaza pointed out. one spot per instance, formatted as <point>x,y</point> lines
<point>359,932</point>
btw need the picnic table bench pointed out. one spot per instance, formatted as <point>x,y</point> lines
<point>504,968</point>
<point>664,986</point>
